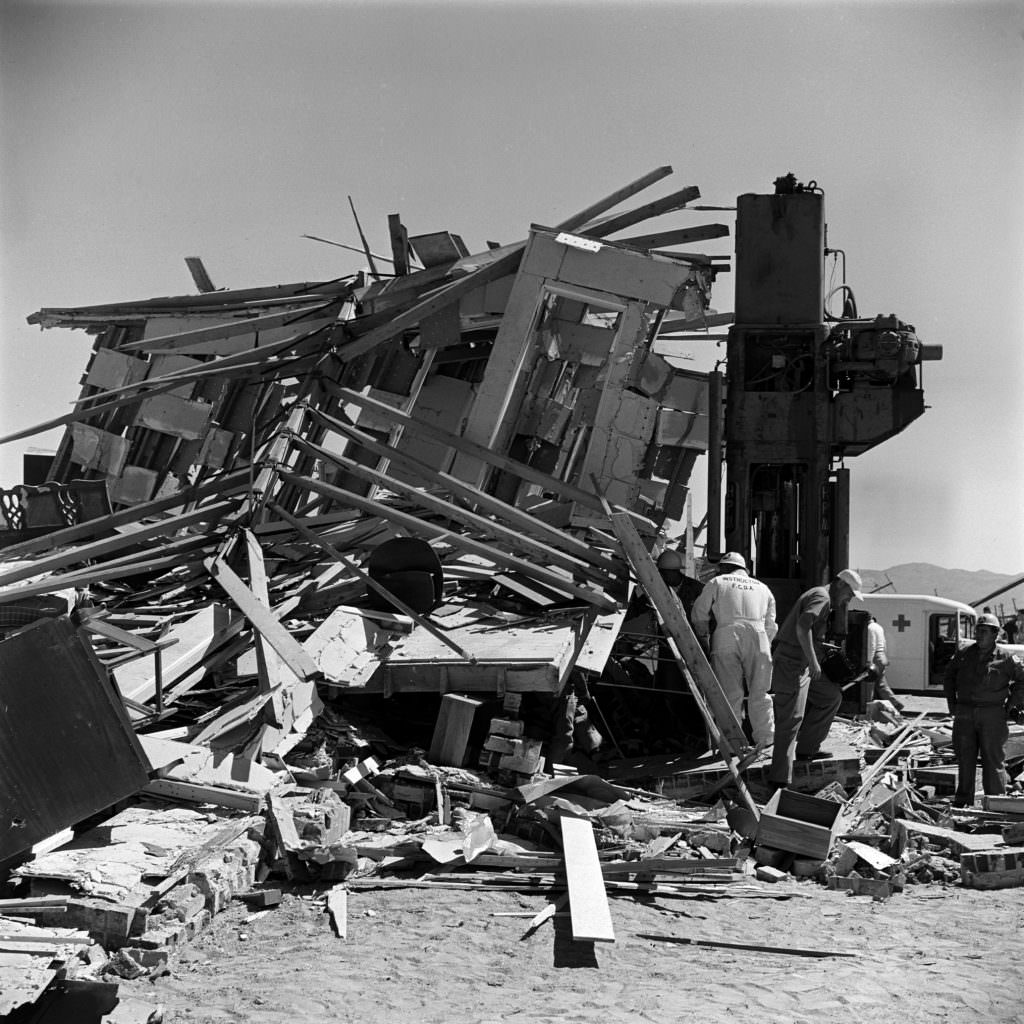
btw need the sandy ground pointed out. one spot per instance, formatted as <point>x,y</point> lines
<point>413,955</point>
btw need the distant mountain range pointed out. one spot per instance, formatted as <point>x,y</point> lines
<point>958,584</point>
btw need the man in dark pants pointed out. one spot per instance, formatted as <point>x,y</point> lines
<point>982,684</point>
<point>805,700</point>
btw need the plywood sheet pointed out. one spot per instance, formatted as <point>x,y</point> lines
<point>67,748</point>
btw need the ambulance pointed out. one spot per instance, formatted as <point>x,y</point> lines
<point>922,633</point>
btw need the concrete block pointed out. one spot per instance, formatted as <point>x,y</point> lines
<point>500,745</point>
<point>769,874</point>
<point>806,867</point>
<point>507,727</point>
<point>148,957</point>
<point>768,856</point>
<point>995,869</point>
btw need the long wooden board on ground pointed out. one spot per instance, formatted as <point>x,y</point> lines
<point>588,900</point>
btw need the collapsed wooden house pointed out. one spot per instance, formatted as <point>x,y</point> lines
<point>437,481</point>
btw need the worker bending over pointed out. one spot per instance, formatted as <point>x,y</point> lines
<point>982,684</point>
<point>744,613</point>
<point>805,700</point>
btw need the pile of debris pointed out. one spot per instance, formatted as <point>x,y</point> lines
<point>337,583</point>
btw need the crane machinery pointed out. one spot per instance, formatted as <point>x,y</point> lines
<point>802,392</point>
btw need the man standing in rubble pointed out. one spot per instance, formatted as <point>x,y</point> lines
<point>982,685</point>
<point>744,613</point>
<point>878,662</point>
<point>805,700</point>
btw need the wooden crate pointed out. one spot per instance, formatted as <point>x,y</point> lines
<point>798,823</point>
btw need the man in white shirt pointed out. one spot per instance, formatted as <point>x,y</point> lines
<point>878,662</point>
<point>741,655</point>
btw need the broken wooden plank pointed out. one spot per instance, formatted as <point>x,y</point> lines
<point>372,583</point>
<point>514,537</point>
<point>666,204</point>
<point>204,339</point>
<point>192,792</point>
<point>263,620</point>
<point>508,514</point>
<point>337,908</point>
<point>670,611</point>
<point>587,214</point>
<point>222,486</point>
<point>588,901</point>
<point>549,483</point>
<point>431,303</point>
<point>419,527</point>
<point>681,236</point>
<point>100,548</point>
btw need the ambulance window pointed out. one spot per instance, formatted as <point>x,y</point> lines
<point>942,640</point>
<point>966,627</point>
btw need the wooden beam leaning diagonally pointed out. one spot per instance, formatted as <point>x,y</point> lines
<point>512,536</point>
<point>588,900</point>
<point>107,545</point>
<point>349,564</point>
<point>432,302</point>
<point>671,613</point>
<point>222,486</point>
<point>230,329</point>
<point>681,236</point>
<point>420,527</point>
<point>263,620</point>
<point>269,666</point>
<point>487,503</point>
<point>666,204</point>
<point>462,444</point>
<point>577,220</point>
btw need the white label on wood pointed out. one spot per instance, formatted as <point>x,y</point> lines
<point>587,244</point>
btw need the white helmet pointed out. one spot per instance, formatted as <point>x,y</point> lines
<point>733,558</point>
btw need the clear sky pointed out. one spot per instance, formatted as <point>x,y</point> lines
<point>136,134</point>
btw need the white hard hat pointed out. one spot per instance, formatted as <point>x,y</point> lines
<point>734,558</point>
<point>852,580</point>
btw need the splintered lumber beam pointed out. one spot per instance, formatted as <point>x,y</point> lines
<point>577,549</point>
<point>696,669</point>
<point>268,664</point>
<point>263,620</point>
<point>100,548</point>
<point>461,444</point>
<point>667,204</point>
<point>682,236</point>
<point>434,301</point>
<point>588,900</point>
<point>349,564</point>
<point>199,794</point>
<point>602,205</point>
<point>671,613</point>
<point>222,486</point>
<point>515,538</point>
<point>337,907</point>
<point>170,557</point>
<point>117,397</point>
<point>234,328</point>
<point>419,527</point>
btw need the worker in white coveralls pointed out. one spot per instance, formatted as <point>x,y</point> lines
<point>741,646</point>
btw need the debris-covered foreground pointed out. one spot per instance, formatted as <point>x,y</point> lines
<point>341,588</point>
